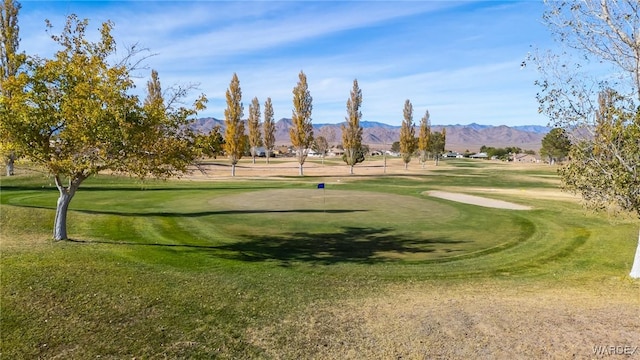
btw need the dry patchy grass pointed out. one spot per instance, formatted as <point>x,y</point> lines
<point>433,321</point>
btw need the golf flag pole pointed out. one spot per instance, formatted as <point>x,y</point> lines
<point>324,197</point>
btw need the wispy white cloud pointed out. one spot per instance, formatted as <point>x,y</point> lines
<point>460,60</point>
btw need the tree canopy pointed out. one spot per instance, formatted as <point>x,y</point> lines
<point>555,145</point>
<point>605,169</point>
<point>438,143</point>
<point>211,144</point>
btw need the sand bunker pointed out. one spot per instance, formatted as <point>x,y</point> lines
<point>477,200</point>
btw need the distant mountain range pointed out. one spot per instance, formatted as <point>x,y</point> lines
<point>375,134</point>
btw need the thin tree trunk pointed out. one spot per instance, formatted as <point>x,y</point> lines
<point>351,169</point>
<point>62,207</point>
<point>233,169</point>
<point>635,268</point>
<point>384,157</point>
<point>10,168</point>
<point>11,158</point>
<point>268,153</point>
<point>60,223</point>
<point>300,171</point>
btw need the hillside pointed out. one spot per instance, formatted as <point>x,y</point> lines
<point>459,137</point>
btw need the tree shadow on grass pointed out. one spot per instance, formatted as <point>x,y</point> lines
<point>218,212</point>
<point>201,213</point>
<point>348,245</point>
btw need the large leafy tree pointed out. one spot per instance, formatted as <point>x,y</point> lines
<point>600,112</point>
<point>407,134</point>
<point>255,138</point>
<point>301,132</point>
<point>321,146</point>
<point>352,132</point>
<point>555,145</point>
<point>424,138</point>
<point>11,61</point>
<point>74,116</point>
<point>437,144</point>
<point>268,129</point>
<point>234,136</point>
<point>211,144</point>
<point>605,169</point>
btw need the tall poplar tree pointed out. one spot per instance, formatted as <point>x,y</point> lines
<point>425,137</point>
<point>234,136</point>
<point>352,132</point>
<point>255,138</point>
<point>268,129</point>
<point>11,61</point>
<point>301,132</point>
<point>407,134</point>
<point>73,115</point>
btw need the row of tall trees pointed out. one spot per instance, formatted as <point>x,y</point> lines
<point>235,140</point>
<point>426,143</point>
<point>300,133</point>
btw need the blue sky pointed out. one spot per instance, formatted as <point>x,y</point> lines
<point>458,60</point>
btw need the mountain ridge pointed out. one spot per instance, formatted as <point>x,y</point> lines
<point>375,134</point>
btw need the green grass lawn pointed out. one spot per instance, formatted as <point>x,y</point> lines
<point>188,269</point>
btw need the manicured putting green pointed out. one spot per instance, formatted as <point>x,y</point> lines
<point>341,225</point>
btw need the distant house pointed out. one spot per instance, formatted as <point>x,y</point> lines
<point>525,158</point>
<point>262,152</point>
<point>452,154</point>
<point>313,153</point>
<point>481,155</point>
